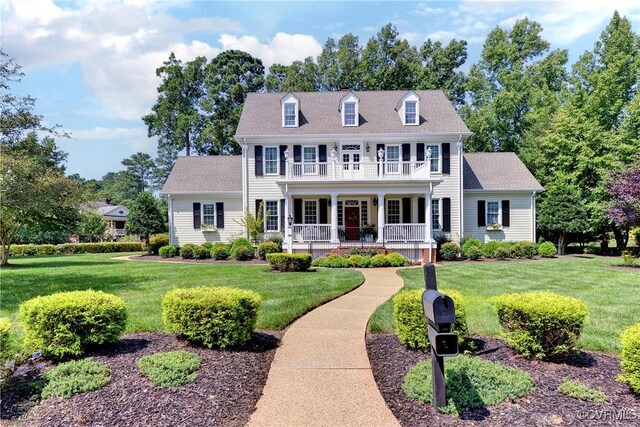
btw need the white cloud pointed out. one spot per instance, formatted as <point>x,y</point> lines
<point>283,48</point>
<point>425,9</point>
<point>101,133</point>
<point>442,35</point>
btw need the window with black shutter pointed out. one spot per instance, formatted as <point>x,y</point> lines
<point>421,210</point>
<point>282,218</point>
<point>406,210</point>
<point>297,153</point>
<point>196,215</point>
<point>283,161</point>
<point>482,219</point>
<point>220,214</point>
<point>446,214</point>
<point>323,211</point>
<point>420,152</point>
<point>297,211</point>
<point>506,215</point>
<point>446,158</point>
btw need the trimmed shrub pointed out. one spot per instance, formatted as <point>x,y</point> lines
<point>208,246</point>
<point>591,249</point>
<point>44,250</point>
<point>241,241</point>
<point>242,253</point>
<point>634,234</point>
<point>67,323</point>
<point>75,248</point>
<point>5,332</point>
<point>471,382</point>
<point>369,252</point>
<point>412,327</point>
<point>630,358</point>
<point>77,376</point>
<point>168,251</point>
<point>157,241</point>
<point>358,261</point>
<point>473,253</point>
<point>503,251</point>
<point>187,251</point>
<point>278,239</point>
<point>541,324</point>
<point>201,252</point>
<point>211,316</point>
<point>449,251</point>
<point>628,259</point>
<point>379,261</point>
<point>471,241</point>
<point>289,262</point>
<point>220,251</point>
<point>395,259</point>
<point>581,391</point>
<point>170,369</point>
<point>523,250</point>
<point>268,248</point>
<point>489,248</point>
<point>547,250</point>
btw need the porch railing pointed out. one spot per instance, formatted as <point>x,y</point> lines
<point>383,170</point>
<point>311,232</point>
<point>388,233</point>
<point>404,232</point>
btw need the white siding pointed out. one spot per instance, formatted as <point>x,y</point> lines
<point>449,188</point>
<point>263,187</point>
<point>520,216</point>
<point>183,231</point>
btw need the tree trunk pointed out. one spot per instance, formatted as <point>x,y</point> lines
<point>604,242</point>
<point>187,143</point>
<point>622,238</point>
<point>146,240</point>
<point>5,253</point>
<point>562,243</point>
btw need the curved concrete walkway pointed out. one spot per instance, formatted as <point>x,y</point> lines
<point>321,375</point>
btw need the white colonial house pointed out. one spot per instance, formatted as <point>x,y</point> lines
<point>333,170</point>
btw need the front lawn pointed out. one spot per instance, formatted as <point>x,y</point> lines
<point>286,296</point>
<point>612,294</point>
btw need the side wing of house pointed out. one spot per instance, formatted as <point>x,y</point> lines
<point>499,198</point>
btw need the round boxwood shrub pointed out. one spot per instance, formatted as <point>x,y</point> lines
<point>358,261</point>
<point>630,358</point>
<point>503,251</point>
<point>157,241</point>
<point>473,253</point>
<point>449,251</point>
<point>468,243</point>
<point>220,251</point>
<point>241,241</point>
<point>489,249</point>
<point>201,252</point>
<point>67,323</point>
<point>242,253</point>
<point>268,248</point>
<point>289,262</point>
<point>547,250</point>
<point>211,316</point>
<point>379,260</point>
<point>411,326</point>
<point>187,251</point>
<point>395,259</point>
<point>331,261</point>
<point>541,324</point>
<point>168,251</point>
<point>523,250</point>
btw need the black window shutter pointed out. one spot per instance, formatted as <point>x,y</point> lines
<point>322,153</point>
<point>258,156</point>
<point>482,217</point>
<point>506,217</point>
<point>282,218</point>
<point>420,152</point>
<point>446,214</point>
<point>220,214</point>
<point>323,211</point>
<point>258,204</point>
<point>297,211</point>
<point>406,210</point>
<point>446,158</point>
<point>422,210</point>
<point>283,161</point>
<point>297,153</point>
<point>196,215</point>
<point>378,148</point>
<point>406,152</point>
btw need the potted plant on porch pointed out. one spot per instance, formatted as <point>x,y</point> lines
<point>368,232</point>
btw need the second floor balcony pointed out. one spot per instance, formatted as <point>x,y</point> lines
<point>354,171</point>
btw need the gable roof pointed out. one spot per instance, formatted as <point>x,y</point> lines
<point>497,171</point>
<point>205,174</point>
<point>319,114</point>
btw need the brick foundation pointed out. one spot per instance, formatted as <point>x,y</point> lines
<point>425,255</point>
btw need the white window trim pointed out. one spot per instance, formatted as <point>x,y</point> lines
<point>203,226</point>
<point>439,214</point>
<point>426,146</point>
<point>304,216</point>
<point>297,114</point>
<point>387,161</point>
<point>404,111</point>
<point>344,113</point>
<point>264,160</point>
<point>316,162</point>
<point>486,213</point>
<point>264,216</point>
<point>386,210</point>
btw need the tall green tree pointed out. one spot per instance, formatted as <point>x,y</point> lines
<point>144,218</point>
<point>228,78</point>
<point>515,78</point>
<point>91,227</point>
<point>440,68</point>
<point>339,64</point>
<point>164,161</point>
<point>140,166</point>
<point>176,118</point>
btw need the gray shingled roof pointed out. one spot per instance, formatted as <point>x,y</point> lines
<point>320,114</point>
<point>205,174</point>
<point>497,171</point>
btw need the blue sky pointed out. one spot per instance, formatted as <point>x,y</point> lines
<point>91,64</point>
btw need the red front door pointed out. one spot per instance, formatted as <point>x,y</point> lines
<point>352,222</point>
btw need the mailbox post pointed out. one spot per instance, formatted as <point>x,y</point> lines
<point>439,310</point>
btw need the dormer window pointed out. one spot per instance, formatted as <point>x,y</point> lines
<point>349,108</point>
<point>290,111</point>
<point>349,113</point>
<point>410,113</point>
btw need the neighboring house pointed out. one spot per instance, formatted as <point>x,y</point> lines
<point>334,170</point>
<point>115,215</point>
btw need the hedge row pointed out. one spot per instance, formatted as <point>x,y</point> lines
<point>76,248</point>
<point>630,360</point>
<point>361,261</point>
<point>474,249</point>
<point>289,262</point>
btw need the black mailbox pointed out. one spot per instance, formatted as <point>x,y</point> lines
<point>443,343</point>
<point>438,308</point>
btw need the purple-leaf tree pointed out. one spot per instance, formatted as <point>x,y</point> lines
<point>624,188</point>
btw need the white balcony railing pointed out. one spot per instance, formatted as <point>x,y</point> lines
<point>383,170</point>
<point>404,232</point>
<point>311,232</point>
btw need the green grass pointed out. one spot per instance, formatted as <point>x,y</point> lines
<point>471,383</point>
<point>171,369</point>
<point>581,391</point>
<point>285,296</point>
<point>612,294</point>
<point>77,376</point>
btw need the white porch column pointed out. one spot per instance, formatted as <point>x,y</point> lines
<point>288,211</point>
<point>414,209</point>
<point>334,218</point>
<point>381,217</point>
<point>428,237</point>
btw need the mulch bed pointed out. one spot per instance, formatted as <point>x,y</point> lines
<point>543,406</point>
<point>196,261</point>
<point>225,392</point>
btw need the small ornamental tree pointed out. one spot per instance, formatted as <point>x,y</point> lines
<point>91,227</point>
<point>144,218</point>
<point>624,188</point>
